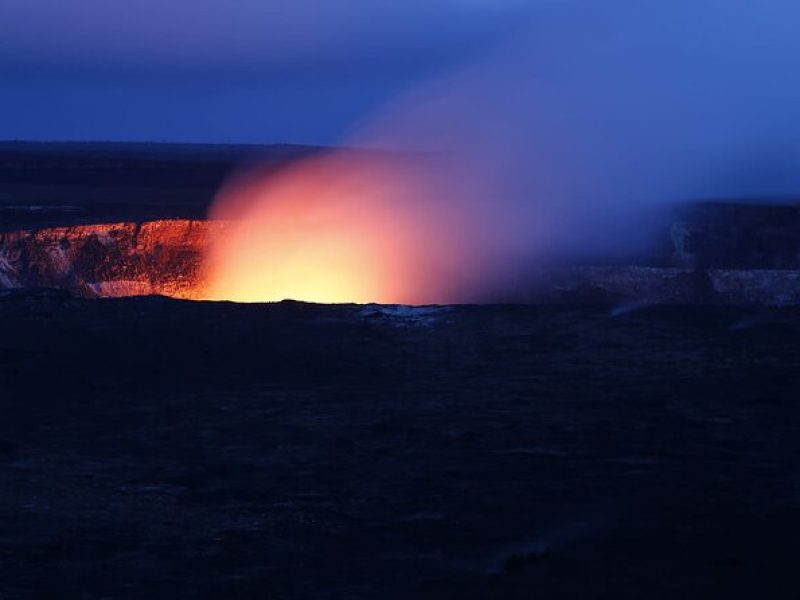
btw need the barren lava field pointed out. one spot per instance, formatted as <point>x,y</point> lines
<point>156,446</point>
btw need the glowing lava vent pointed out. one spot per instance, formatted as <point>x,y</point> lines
<point>345,227</point>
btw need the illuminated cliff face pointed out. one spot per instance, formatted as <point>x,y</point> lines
<point>109,260</point>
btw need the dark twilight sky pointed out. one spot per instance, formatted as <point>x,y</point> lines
<point>250,71</point>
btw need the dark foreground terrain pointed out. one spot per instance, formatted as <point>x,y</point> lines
<point>159,448</point>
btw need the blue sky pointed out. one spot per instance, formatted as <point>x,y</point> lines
<point>304,71</point>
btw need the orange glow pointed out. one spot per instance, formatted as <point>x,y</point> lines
<point>341,228</point>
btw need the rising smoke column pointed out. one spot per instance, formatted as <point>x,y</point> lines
<point>554,144</point>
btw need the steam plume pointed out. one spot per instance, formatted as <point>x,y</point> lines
<point>556,143</point>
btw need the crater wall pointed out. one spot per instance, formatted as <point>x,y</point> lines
<point>707,253</point>
<point>110,260</point>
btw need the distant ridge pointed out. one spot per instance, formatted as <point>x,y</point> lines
<point>157,149</point>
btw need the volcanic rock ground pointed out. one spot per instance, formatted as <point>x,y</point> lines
<point>164,448</point>
<point>157,448</point>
